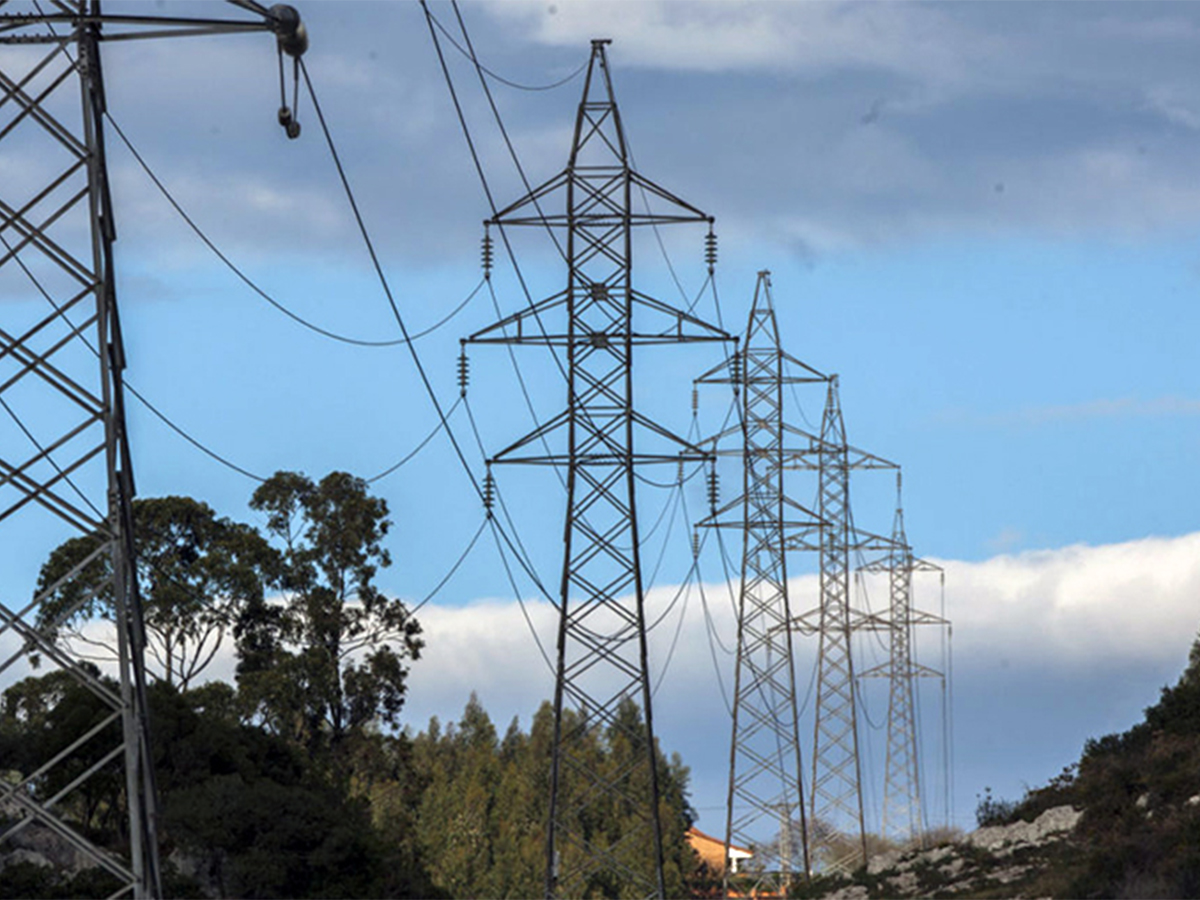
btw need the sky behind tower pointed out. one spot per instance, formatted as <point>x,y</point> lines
<point>984,217</point>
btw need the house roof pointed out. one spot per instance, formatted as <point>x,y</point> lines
<point>695,834</point>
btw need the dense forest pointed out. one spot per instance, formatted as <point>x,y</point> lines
<point>300,779</point>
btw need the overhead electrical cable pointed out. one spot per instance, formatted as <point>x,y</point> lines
<point>500,78</point>
<point>504,133</point>
<point>515,543</point>
<point>250,283</point>
<point>462,121</point>
<point>496,533</point>
<point>383,281</point>
<point>174,426</point>
<point>428,386</point>
<point>454,568</point>
<point>129,387</point>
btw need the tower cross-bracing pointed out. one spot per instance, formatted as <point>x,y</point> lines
<point>65,462</point>
<point>602,672</point>
<point>765,793</point>
<point>836,821</point>
<point>903,814</point>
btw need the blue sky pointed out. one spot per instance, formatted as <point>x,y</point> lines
<point>982,216</point>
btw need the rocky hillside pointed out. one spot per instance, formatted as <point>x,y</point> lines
<point>1124,822</point>
<point>1021,859</point>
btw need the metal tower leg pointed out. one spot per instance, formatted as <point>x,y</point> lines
<point>64,450</point>
<point>80,473</point>
<point>602,669</point>
<point>902,811</point>
<point>837,777</point>
<point>765,791</point>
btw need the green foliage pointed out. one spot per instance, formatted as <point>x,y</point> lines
<point>40,716</point>
<point>992,810</point>
<point>332,656</point>
<point>1140,830</point>
<point>483,810</point>
<point>295,782</point>
<point>196,572</point>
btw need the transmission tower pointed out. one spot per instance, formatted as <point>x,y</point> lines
<point>903,820</point>
<point>601,666</point>
<point>836,792</point>
<point>64,452</point>
<point>765,790</point>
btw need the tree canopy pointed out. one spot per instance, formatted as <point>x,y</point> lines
<point>299,779</point>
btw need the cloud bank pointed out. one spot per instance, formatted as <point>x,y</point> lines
<point>1068,611</point>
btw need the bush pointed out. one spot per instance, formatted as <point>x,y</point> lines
<point>994,811</point>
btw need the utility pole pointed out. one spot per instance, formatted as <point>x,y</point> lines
<point>903,820</point>
<point>836,793</point>
<point>765,786</point>
<point>65,458</point>
<point>601,665</point>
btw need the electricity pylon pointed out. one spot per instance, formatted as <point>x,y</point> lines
<point>601,664</point>
<point>64,455</point>
<point>765,786</point>
<point>836,792</point>
<point>903,818</point>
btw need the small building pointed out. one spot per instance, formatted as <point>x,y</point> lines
<point>711,851</point>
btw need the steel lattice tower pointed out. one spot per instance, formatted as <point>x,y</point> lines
<point>836,809</point>
<point>903,818</point>
<point>64,448</point>
<point>601,667</point>
<point>765,790</point>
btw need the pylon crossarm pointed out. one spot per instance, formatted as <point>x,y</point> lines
<point>812,377</point>
<point>924,618</point>
<point>866,542</point>
<point>706,331</point>
<point>855,458</point>
<point>533,198</point>
<point>711,375</point>
<point>498,332</point>
<point>690,213</point>
<point>159,26</point>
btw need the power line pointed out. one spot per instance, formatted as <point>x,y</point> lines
<point>500,78</point>
<point>233,267</point>
<point>454,568</point>
<point>174,426</point>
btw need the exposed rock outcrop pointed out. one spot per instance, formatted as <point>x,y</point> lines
<point>998,861</point>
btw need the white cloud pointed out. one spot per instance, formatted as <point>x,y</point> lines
<point>1079,607</point>
<point>720,37</point>
<point>1070,610</point>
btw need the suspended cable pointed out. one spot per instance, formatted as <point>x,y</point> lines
<point>512,84</point>
<point>387,290</point>
<point>497,533</point>
<point>207,451</point>
<point>129,387</point>
<point>462,120</point>
<point>454,568</point>
<point>504,134</point>
<point>417,449</point>
<point>245,279</point>
<point>675,639</point>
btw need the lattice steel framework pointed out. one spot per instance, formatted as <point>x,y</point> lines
<point>836,821</point>
<point>903,815</point>
<point>765,794</point>
<point>602,668</point>
<point>64,448</point>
